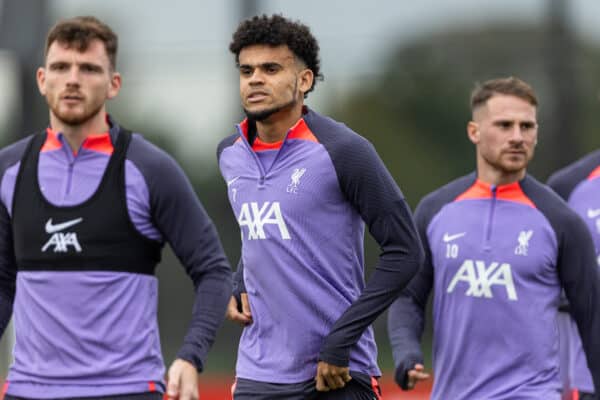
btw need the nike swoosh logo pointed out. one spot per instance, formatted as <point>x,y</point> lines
<point>50,228</point>
<point>230,182</point>
<point>448,238</point>
<point>593,213</point>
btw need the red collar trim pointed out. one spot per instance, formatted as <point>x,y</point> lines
<point>509,192</point>
<point>299,131</point>
<point>259,145</point>
<point>100,142</point>
<point>595,173</point>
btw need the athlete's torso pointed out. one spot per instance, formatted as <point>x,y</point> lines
<point>494,257</point>
<point>83,332</point>
<point>302,251</point>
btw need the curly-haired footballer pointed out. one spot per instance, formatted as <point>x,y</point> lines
<point>302,187</point>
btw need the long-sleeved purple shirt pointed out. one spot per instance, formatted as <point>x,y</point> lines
<point>90,333</point>
<point>579,185</point>
<point>302,212</point>
<point>496,259</point>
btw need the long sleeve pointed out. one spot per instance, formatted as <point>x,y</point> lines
<point>8,269</point>
<point>576,261</point>
<point>238,283</point>
<point>183,222</point>
<point>372,191</point>
<point>406,318</point>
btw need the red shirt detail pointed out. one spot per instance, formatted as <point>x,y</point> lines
<point>100,142</point>
<point>509,192</point>
<point>595,173</point>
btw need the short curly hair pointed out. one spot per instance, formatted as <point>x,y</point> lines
<point>276,30</point>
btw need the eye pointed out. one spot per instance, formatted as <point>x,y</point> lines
<point>526,126</point>
<point>90,68</point>
<point>59,67</point>
<point>245,71</point>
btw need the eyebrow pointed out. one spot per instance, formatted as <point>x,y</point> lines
<point>267,64</point>
<point>87,64</point>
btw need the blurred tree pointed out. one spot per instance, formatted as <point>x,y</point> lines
<point>27,44</point>
<point>416,113</point>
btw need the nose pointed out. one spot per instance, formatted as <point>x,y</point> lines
<point>257,77</point>
<point>516,134</point>
<point>73,77</point>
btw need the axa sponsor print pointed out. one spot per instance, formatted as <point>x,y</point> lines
<point>61,241</point>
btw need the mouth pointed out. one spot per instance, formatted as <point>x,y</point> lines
<point>256,97</point>
<point>72,97</point>
<point>516,153</point>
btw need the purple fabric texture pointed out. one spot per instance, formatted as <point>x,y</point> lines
<point>497,267</point>
<point>302,217</point>
<point>90,333</point>
<point>581,192</point>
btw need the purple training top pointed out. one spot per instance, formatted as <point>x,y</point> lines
<point>496,258</point>
<point>579,185</point>
<point>302,212</point>
<point>94,333</point>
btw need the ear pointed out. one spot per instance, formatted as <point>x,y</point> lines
<point>305,80</point>
<point>41,80</point>
<point>114,85</point>
<point>473,131</point>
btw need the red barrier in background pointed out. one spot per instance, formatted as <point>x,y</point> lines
<point>217,387</point>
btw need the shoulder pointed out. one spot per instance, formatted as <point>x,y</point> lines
<point>433,202</point>
<point>161,173</point>
<point>566,179</point>
<point>225,143</point>
<point>147,156</point>
<point>551,205</point>
<point>334,135</point>
<point>12,154</point>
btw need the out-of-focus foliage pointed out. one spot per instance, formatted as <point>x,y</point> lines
<point>416,114</point>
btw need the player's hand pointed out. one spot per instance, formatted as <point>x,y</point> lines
<point>233,314</point>
<point>416,375</point>
<point>182,381</point>
<point>331,377</point>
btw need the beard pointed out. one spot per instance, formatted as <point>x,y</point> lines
<point>264,114</point>
<point>71,118</point>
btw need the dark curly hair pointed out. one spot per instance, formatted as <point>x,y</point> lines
<point>277,30</point>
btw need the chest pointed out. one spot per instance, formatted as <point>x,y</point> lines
<point>298,189</point>
<point>481,244</point>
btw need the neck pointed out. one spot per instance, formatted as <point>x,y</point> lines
<point>274,128</point>
<point>496,177</point>
<point>76,134</point>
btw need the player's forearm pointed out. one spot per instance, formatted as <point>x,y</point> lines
<point>238,281</point>
<point>212,295</point>
<point>381,290</point>
<point>6,307</point>
<point>405,328</point>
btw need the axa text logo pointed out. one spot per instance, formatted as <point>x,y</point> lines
<point>60,240</point>
<point>255,217</point>
<point>481,277</point>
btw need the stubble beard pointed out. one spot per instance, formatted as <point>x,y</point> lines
<point>74,119</point>
<point>264,114</point>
